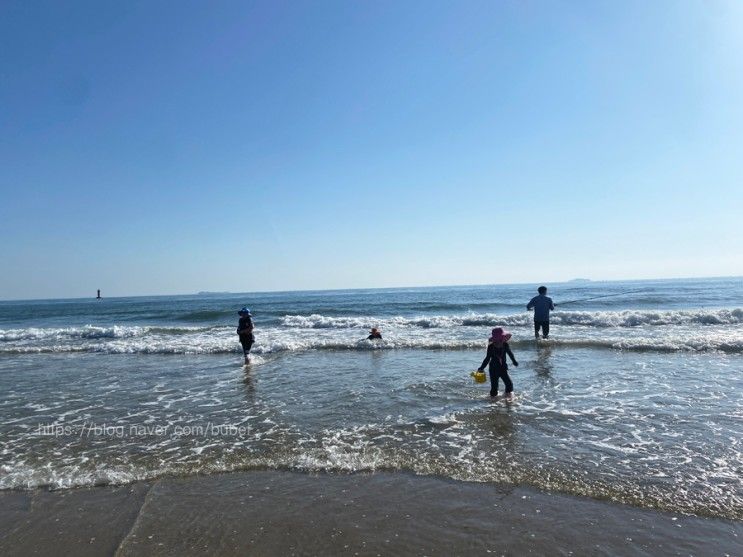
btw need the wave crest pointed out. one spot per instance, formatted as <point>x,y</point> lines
<point>91,332</point>
<point>598,319</point>
<point>222,345</point>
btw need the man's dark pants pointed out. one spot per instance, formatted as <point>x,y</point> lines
<point>544,325</point>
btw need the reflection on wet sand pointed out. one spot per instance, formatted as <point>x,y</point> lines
<point>543,364</point>
<point>249,383</point>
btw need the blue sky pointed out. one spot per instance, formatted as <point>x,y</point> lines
<point>161,147</point>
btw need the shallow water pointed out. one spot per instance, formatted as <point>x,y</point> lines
<point>631,403</point>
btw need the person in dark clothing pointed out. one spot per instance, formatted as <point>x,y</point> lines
<point>497,350</point>
<point>542,305</point>
<point>245,332</point>
<point>374,334</point>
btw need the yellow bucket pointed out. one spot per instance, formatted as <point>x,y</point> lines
<point>479,376</point>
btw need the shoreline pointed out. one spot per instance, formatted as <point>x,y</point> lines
<point>381,513</point>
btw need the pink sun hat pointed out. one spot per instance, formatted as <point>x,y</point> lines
<point>499,335</point>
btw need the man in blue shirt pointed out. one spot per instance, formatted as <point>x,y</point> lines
<point>542,305</point>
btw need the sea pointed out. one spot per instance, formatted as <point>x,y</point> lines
<point>636,397</point>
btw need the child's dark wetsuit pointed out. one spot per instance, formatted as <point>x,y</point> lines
<point>246,339</point>
<point>496,356</point>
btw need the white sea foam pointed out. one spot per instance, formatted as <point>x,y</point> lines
<point>278,345</point>
<point>687,330</point>
<point>600,319</point>
<point>89,332</point>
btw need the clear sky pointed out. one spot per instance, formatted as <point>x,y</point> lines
<point>171,147</point>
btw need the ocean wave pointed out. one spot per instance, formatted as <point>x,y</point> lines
<point>205,344</point>
<point>598,319</point>
<point>91,332</point>
<point>576,321</point>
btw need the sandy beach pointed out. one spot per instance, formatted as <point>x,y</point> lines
<point>285,513</point>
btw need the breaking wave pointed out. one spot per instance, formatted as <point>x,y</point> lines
<point>599,319</point>
<point>634,330</point>
<point>203,342</point>
<point>89,332</point>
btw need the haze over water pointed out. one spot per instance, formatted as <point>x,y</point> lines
<point>637,398</point>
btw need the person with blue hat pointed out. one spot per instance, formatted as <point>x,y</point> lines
<point>245,332</point>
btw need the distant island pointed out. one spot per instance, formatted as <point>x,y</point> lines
<point>580,280</point>
<point>208,293</point>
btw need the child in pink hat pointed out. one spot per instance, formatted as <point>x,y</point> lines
<point>496,356</point>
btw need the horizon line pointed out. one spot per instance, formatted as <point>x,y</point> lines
<point>208,292</point>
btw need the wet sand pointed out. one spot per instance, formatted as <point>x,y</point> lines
<point>285,513</point>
